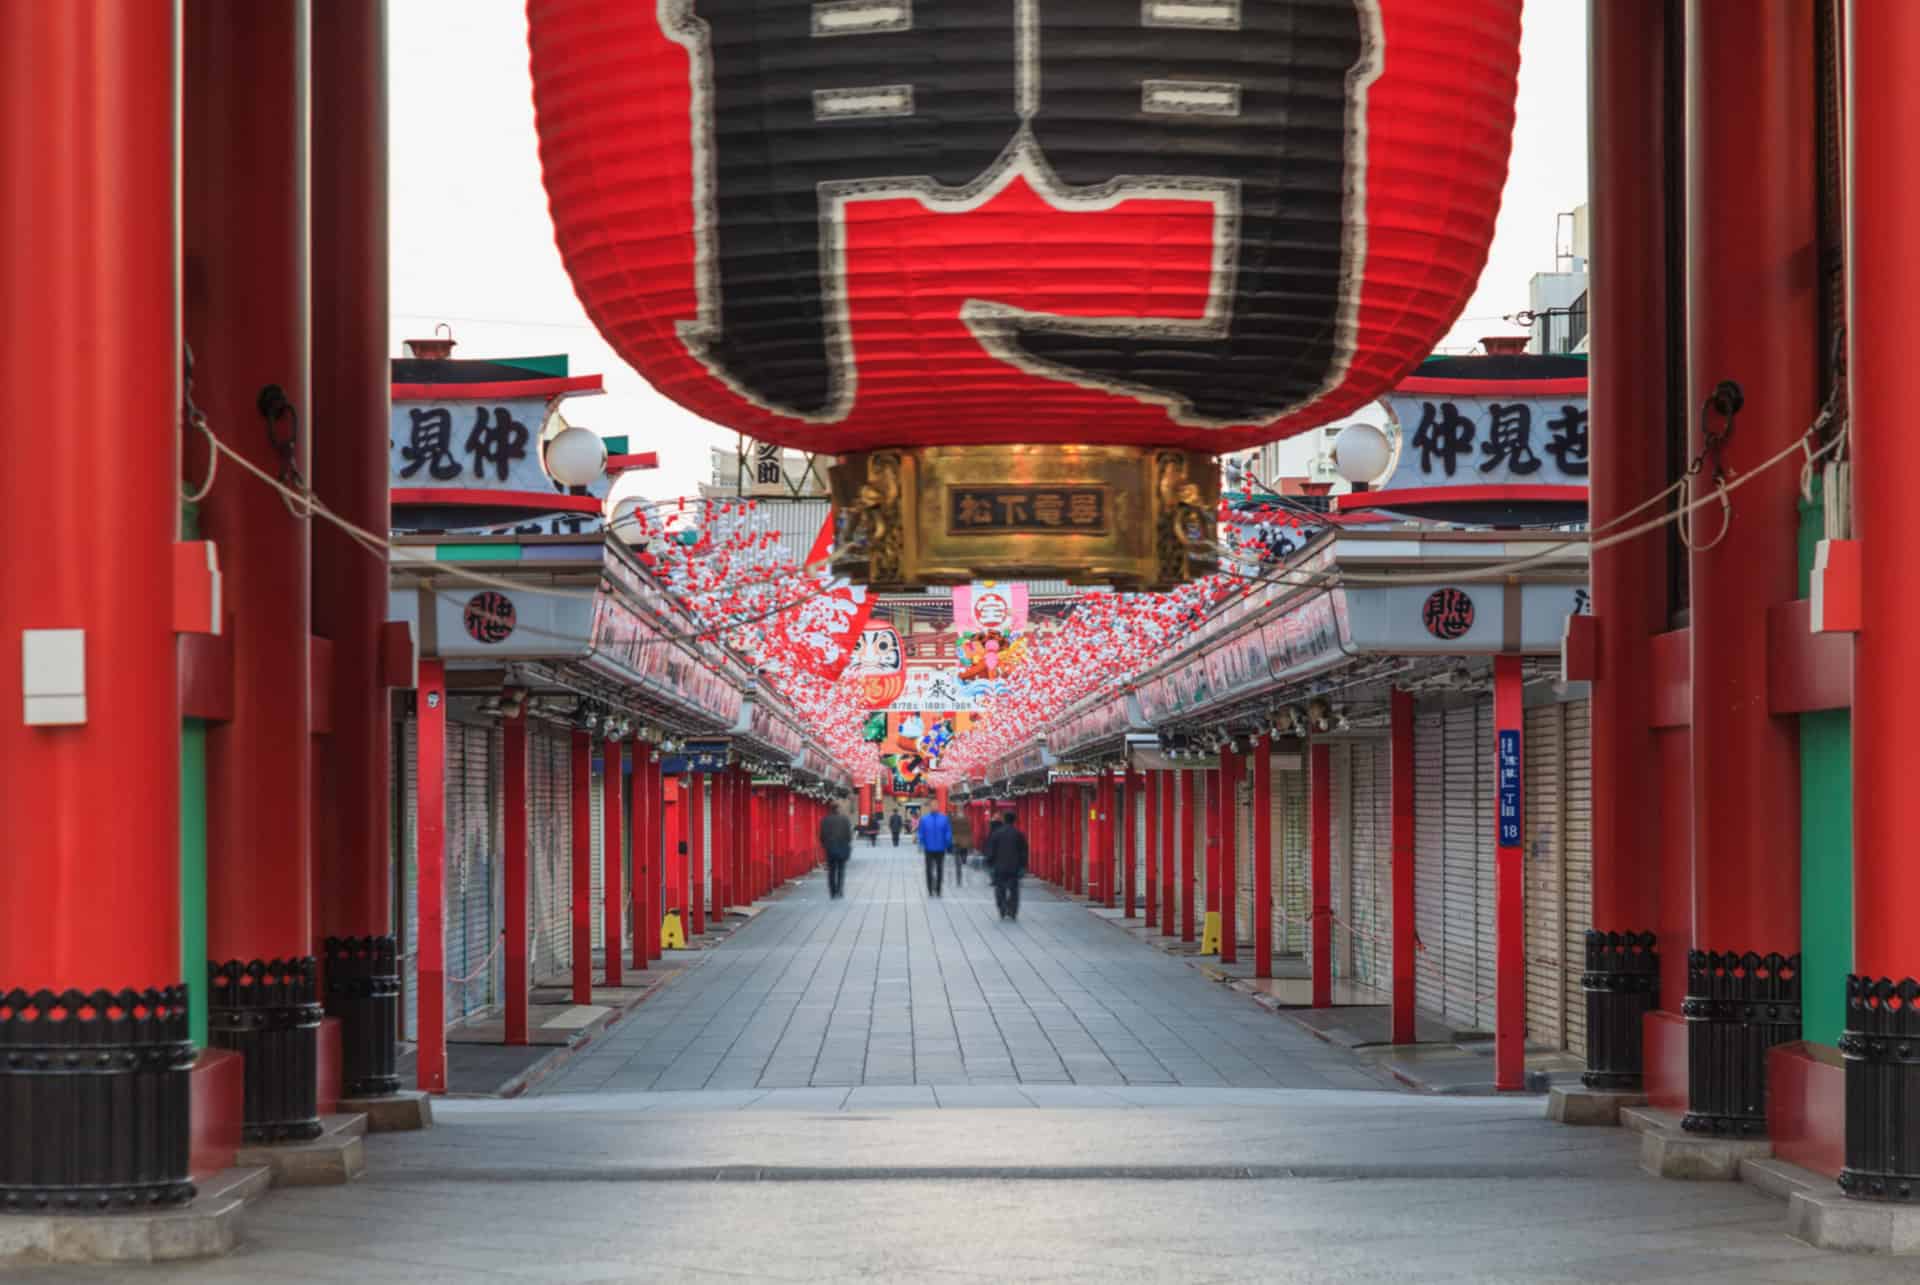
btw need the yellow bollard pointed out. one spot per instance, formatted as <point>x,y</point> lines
<point>1210,934</point>
<point>671,937</point>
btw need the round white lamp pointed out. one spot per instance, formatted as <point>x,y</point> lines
<point>626,523</point>
<point>1360,453</point>
<point>577,457</point>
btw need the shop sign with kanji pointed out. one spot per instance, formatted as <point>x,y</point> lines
<point>1455,440</point>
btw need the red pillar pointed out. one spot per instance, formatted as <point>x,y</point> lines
<point>89,513</point>
<point>1320,821</point>
<point>1263,865</point>
<point>1509,881</point>
<point>612,884</point>
<point>1231,765</point>
<point>1883,1099</point>
<point>1151,786</point>
<point>513,771</point>
<point>580,829</point>
<point>1401,723</point>
<point>1169,857</point>
<point>683,850</point>
<point>649,853</point>
<point>1753,316</point>
<point>352,870</point>
<point>430,836</point>
<point>1628,380</point>
<point>1189,790</point>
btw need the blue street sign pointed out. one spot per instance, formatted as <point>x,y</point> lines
<point>1509,793</point>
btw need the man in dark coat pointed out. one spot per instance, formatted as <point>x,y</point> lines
<point>1007,861</point>
<point>836,839</point>
<point>896,823</point>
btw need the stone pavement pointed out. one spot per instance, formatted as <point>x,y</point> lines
<point>889,987</point>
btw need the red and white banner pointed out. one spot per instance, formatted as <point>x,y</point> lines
<point>818,635</point>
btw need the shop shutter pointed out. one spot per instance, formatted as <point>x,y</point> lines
<point>1293,832</point>
<point>1243,857</point>
<point>1578,775</point>
<point>403,761</point>
<point>1339,788</point>
<point>1181,822</point>
<point>1430,860</point>
<point>1137,806</point>
<point>473,909</point>
<point>1543,837</point>
<point>598,841</point>
<point>1202,809</point>
<point>1470,738</point>
<point>548,916</point>
<point>706,840</point>
<point>1373,810</point>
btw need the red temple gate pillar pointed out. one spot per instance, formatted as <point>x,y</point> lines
<point>1883,1000</point>
<point>580,830</point>
<point>1752,311</point>
<point>246,272</point>
<point>513,772</point>
<point>91,513</point>
<point>1263,866</point>
<point>1628,393</point>
<point>352,868</point>
<point>613,918</point>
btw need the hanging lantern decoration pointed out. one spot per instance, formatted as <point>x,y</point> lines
<point>1024,266</point>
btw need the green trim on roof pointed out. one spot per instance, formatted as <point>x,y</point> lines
<point>477,553</point>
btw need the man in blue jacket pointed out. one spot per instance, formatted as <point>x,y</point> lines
<point>936,836</point>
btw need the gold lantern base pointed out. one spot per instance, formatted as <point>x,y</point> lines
<point>1133,517</point>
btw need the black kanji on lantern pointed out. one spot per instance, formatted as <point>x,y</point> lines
<point>430,444</point>
<point>1448,614</point>
<point>1569,443</point>
<point>496,441</point>
<point>1510,439</point>
<point>1103,99</point>
<point>489,617</point>
<point>1444,434</point>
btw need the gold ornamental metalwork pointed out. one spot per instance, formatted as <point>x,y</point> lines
<point>1133,517</point>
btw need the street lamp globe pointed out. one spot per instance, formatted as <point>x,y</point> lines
<point>1360,453</point>
<point>577,457</point>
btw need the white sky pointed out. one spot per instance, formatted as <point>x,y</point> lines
<point>473,246</point>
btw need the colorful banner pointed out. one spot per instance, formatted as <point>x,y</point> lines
<point>821,634</point>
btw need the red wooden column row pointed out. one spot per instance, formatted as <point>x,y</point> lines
<point>581,832</point>
<point>1263,862</point>
<point>1231,766</point>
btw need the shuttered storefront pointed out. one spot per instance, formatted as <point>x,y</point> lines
<point>550,856</point>
<point>1292,863</point>
<point>475,900</point>
<point>1453,863</point>
<point>1558,806</point>
<point>1363,862</point>
<point>1243,858</point>
<point>597,842</point>
<point>1137,818</point>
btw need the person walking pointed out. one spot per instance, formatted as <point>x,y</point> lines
<point>1007,861</point>
<point>896,823</point>
<point>836,840</point>
<point>935,833</point>
<point>963,843</point>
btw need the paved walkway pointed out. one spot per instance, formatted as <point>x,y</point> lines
<point>890,987</point>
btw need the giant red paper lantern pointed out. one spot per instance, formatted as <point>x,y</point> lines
<point>859,226</point>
